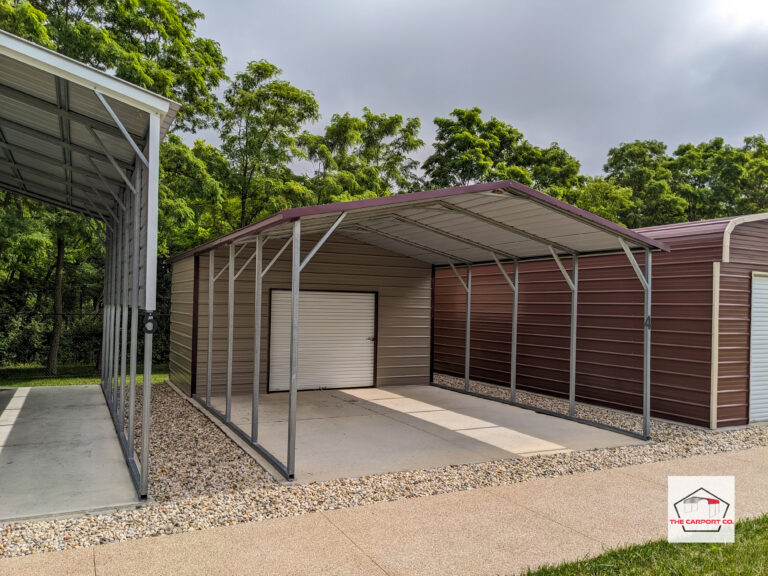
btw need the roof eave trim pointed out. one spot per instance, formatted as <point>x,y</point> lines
<point>732,226</point>
<point>62,66</point>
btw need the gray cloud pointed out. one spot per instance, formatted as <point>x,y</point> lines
<point>588,74</point>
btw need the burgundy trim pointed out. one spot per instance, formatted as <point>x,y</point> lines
<point>292,214</point>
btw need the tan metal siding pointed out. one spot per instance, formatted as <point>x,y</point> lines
<point>404,289</point>
<point>609,356</point>
<point>180,357</point>
<point>749,252</point>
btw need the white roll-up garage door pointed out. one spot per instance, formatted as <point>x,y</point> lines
<point>758,350</point>
<point>336,340</point>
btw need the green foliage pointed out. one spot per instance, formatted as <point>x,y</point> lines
<point>469,149</point>
<point>151,43</point>
<point>362,157</point>
<point>599,196</point>
<point>260,119</point>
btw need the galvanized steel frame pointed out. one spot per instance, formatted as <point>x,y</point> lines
<point>286,469</point>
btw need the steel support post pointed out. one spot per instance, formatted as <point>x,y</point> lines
<point>108,296</point>
<point>105,314</point>
<point>467,333</point>
<point>513,358</point>
<point>574,320</point>
<point>294,349</point>
<point>230,330</point>
<point>209,362</point>
<point>256,342</point>
<point>647,348</point>
<point>130,202</point>
<point>136,213</point>
<point>116,309</point>
<point>645,280</point>
<point>150,289</point>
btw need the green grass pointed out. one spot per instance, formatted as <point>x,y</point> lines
<point>68,376</point>
<point>747,556</point>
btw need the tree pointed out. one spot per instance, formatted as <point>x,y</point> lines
<point>601,197</point>
<point>261,117</point>
<point>363,157</point>
<point>469,149</point>
<point>151,43</point>
<point>641,166</point>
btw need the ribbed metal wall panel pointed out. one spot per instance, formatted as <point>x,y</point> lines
<point>180,359</point>
<point>609,355</point>
<point>749,253</point>
<point>404,291</point>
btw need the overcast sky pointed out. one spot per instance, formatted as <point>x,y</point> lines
<point>588,74</point>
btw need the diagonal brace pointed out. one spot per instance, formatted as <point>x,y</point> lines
<point>566,275</point>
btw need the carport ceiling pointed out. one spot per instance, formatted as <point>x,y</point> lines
<point>465,225</point>
<point>70,134</point>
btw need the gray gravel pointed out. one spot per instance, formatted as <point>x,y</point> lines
<point>201,479</point>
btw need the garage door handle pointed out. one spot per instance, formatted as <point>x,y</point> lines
<point>370,339</point>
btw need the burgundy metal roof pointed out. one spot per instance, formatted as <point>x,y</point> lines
<point>680,229</point>
<point>464,224</point>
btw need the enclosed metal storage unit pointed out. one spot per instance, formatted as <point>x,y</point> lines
<point>248,315</point>
<point>709,345</point>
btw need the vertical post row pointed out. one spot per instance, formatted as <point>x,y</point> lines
<point>211,282</point>
<point>129,201</point>
<point>256,343</point>
<point>135,255</point>
<point>647,348</point>
<point>574,317</point>
<point>230,330</point>
<point>117,269</point>
<point>513,358</point>
<point>105,315</point>
<point>294,362</point>
<point>467,336</point>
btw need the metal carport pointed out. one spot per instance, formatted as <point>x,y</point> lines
<point>498,222</point>
<point>85,141</point>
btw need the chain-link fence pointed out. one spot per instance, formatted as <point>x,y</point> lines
<point>25,340</point>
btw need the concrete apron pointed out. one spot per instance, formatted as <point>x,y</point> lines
<point>357,432</point>
<point>59,454</point>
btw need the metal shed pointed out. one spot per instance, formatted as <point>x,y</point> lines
<point>82,140</point>
<point>236,300</point>
<point>710,342</point>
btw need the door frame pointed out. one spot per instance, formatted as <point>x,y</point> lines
<point>375,332</point>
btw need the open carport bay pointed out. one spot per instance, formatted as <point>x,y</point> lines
<point>59,453</point>
<point>359,432</point>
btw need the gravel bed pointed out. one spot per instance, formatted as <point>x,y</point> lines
<point>200,479</point>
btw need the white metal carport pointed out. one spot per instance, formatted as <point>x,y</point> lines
<point>501,222</point>
<point>82,140</point>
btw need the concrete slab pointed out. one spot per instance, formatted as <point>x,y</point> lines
<point>358,432</point>
<point>302,545</point>
<point>749,467</point>
<point>60,454</point>
<point>465,533</point>
<point>617,510</point>
<point>62,563</point>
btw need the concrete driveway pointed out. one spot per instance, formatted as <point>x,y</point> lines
<point>59,453</point>
<point>357,432</point>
